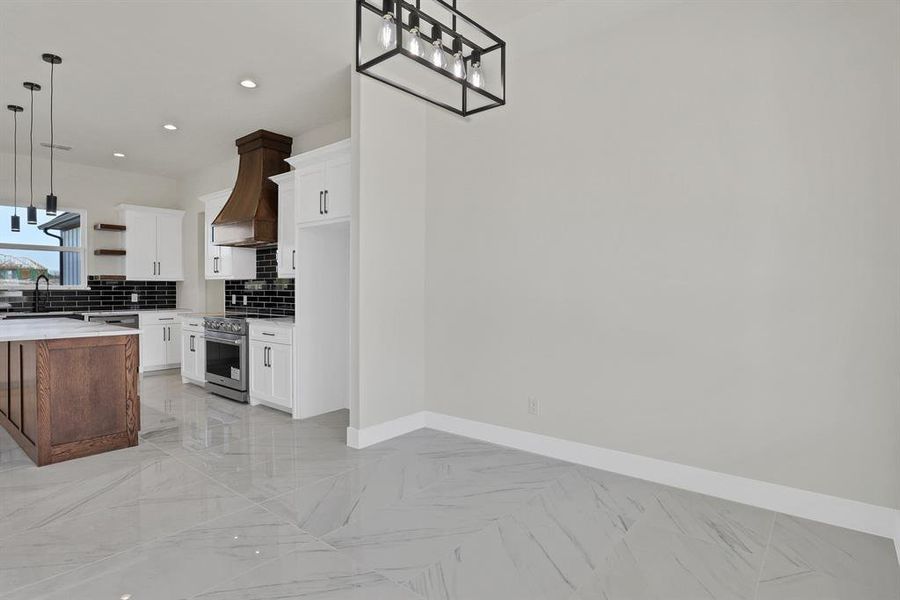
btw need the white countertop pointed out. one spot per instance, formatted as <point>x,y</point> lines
<point>18,330</point>
<point>277,321</point>
<point>111,313</point>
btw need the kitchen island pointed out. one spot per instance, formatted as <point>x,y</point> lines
<point>68,388</point>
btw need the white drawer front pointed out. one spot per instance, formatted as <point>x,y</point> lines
<point>194,324</point>
<point>162,318</point>
<point>275,335</point>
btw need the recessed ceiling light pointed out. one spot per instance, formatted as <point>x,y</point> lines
<point>170,127</point>
<point>248,83</point>
<point>118,155</point>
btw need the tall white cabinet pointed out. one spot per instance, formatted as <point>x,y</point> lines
<point>224,262</point>
<point>314,208</point>
<point>153,246</point>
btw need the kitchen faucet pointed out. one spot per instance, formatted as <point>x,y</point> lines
<point>37,293</point>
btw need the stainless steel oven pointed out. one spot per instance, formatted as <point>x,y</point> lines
<point>227,357</point>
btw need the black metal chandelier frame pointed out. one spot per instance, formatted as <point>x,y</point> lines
<point>403,29</point>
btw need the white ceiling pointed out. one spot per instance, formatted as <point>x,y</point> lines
<point>129,67</point>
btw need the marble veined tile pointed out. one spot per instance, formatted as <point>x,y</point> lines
<point>314,571</point>
<point>812,585</point>
<point>354,495</point>
<point>35,496</point>
<point>800,547</point>
<point>544,550</point>
<point>65,544</point>
<point>260,481</point>
<point>651,563</point>
<point>180,565</point>
<point>12,457</point>
<point>400,542</point>
<point>743,530</point>
<point>403,539</point>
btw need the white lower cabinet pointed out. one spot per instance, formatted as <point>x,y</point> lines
<point>160,341</point>
<point>271,358</point>
<point>193,351</point>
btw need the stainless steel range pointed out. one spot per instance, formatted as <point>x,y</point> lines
<point>227,352</point>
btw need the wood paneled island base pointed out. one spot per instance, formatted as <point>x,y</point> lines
<point>67,398</point>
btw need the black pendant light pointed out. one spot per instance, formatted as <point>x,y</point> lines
<point>32,211</point>
<point>392,45</point>
<point>53,59</point>
<point>14,224</point>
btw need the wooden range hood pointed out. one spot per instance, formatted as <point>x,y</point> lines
<point>250,217</point>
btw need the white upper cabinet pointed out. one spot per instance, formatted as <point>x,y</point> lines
<point>224,262</point>
<point>322,184</point>
<point>153,249</point>
<point>287,253</point>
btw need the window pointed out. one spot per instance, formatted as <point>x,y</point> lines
<point>54,247</point>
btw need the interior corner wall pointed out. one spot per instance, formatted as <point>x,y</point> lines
<point>388,247</point>
<point>680,237</point>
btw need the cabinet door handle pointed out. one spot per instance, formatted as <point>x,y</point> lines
<point>326,202</point>
<point>160,267</point>
<point>293,260</point>
<point>192,344</point>
<point>321,195</point>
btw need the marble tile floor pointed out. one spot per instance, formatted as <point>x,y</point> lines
<point>223,501</point>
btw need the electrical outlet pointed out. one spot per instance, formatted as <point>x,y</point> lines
<point>234,298</point>
<point>134,298</point>
<point>245,300</point>
<point>534,406</point>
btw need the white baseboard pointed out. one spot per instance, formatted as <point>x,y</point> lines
<point>841,512</point>
<point>362,438</point>
<point>850,514</point>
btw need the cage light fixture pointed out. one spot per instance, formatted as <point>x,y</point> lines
<point>431,50</point>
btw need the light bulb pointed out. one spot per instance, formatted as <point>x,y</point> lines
<point>438,56</point>
<point>415,46</point>
<point>388,35</point>
<point>459,66</point>
<point>476,77</point>
<point>459,63</point>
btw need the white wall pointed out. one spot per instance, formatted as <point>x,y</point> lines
<point>681,237</point>
<point>388,245</point>
<point>96,190</point>
<point>195,292</point>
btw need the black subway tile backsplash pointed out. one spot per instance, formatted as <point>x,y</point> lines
<point>104,294</point>
<point>266,295</point>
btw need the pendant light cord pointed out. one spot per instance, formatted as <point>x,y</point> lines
<point>15,162</point>
<point>51,128</point>
<point>31,154</point>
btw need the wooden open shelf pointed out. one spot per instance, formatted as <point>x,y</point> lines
<point>109,277</point>
<point>108,227</point>
<point>108,252</point>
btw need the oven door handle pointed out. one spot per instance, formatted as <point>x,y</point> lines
<point>217,340</point>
